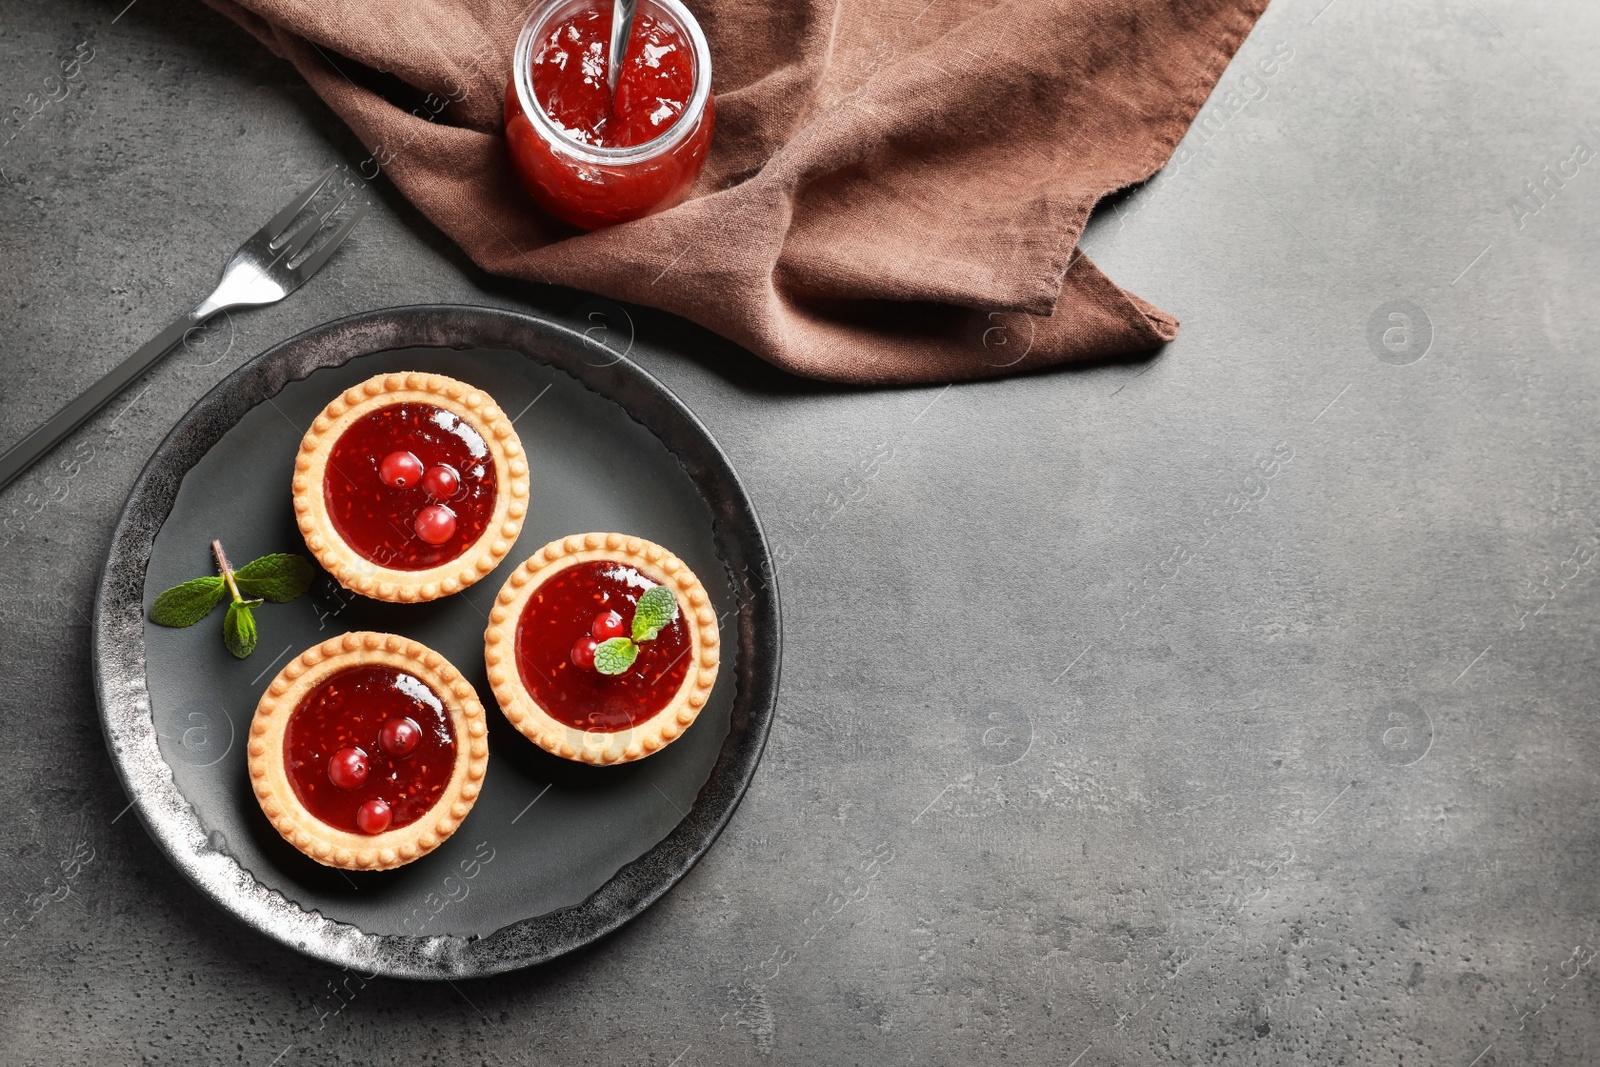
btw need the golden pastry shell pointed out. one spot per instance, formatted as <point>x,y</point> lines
<point>361,575</point>
<point>329,845</point>
<point>592,746</point>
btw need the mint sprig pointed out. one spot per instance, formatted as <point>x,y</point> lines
<point>189,602</point>
<point>615,655</point>
<point>239,628</point>
<point>279,577</point>
<point>654,612</point>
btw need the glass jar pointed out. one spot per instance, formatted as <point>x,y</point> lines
<point>592,185</point>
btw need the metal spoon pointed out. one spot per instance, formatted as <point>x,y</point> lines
<point>621,30</point>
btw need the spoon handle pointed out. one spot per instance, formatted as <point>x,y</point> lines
<point>621,30</point>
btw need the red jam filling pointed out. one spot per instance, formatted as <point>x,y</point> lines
<point>561,612</point>
<point>410,486</point>
<point>370,749</point>
<point>568,79</point>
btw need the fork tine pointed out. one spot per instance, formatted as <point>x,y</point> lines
<point>315,260</point>
<point>304,235</point>
<point>280,222</point>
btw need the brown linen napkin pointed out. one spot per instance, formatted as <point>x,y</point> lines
<point>895,188</point>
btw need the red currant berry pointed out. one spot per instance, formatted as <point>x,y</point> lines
<point>400,470</point>
<point>348,768</point>
<point>442,481</point>
<point>400,737</point>
<point>608,624</point>
<point>373,817</point>
<point>583,653</point>
<point>435,524</point>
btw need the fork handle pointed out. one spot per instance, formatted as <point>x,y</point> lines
<point>26,452</point>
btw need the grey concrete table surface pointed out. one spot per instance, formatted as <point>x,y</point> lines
<point>1236,706</point>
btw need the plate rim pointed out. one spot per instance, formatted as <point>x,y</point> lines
<point>117,644</point>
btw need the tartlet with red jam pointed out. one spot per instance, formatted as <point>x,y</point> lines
<point>410,487</point>
<point>602,648</point>
<point>367,751</point>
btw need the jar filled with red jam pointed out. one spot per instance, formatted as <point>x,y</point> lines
<point>587,157</point>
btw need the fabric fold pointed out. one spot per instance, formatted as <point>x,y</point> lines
<point>894,193</point>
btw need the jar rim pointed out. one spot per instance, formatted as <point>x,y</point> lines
<point>522,79</point>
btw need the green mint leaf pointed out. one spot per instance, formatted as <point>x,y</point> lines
<point>656,609</point>
<point>280,577</point>
<point>188,603</point>
<point>615,656</point>
<point>239,628</point>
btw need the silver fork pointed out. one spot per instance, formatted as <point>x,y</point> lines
<point>260,272</point>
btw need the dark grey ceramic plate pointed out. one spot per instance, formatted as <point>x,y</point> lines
<point>555,854</point>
